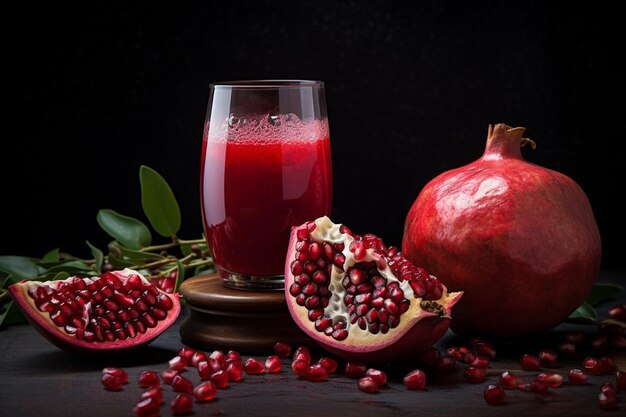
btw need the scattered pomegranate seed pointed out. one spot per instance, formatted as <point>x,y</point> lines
<point>156,393</point>
<point>577,377</point>
<point>282,350</point>
<point>509,380</point>
<point>481,362</point>
<point>118,372</point>
<point>378,376</point>
<point>182,405</point>
<point>415,380</point>
<point>367,384</point>
<point>530,363</point>
<point>204,392</point>
<point>475,375</point>
<point>272,364</point>
<point>234,371</point>
<point>182,384</point>
<point>316,373</point>
<point>568,349</point>
<point>593,366</point>
<point>300,368</point>
<point>483,348</point>
<point>576,338</point>
<point>617,313</point>
<point>620,380</point>
<point>147,407</point>
<point>302,354</point>
<point>607,386</point>
<point>328,363</point>
<point>186,353</point>
<point>111,382</point>
<point>607,400</point>
<point>195,359</point>
<point>548,358</point>
<point>168,375</point>
<point>618,342</point>
<point>538,387</point>
<point>233,356</point>
<point>447,363</point>
<point>205,370</point>
<point>599,342</point>
<point>178,363</point>
<point>355,369</point>
<point>454,352</point>
<point>220,379</point>
<point>219,357</point>
<point>494,395</point>
<point>551,379</point>
<point>148,379</point>
<point>254,366</point>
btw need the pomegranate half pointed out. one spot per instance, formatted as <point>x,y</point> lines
<point>114,312</point>
<point>520,240</point>
<point>359,299</point>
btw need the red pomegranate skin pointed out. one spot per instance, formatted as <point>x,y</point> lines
<point>520,240</point>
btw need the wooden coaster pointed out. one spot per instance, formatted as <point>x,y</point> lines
<point>243,320</point>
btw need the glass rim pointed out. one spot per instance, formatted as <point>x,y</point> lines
<point>262,84</point>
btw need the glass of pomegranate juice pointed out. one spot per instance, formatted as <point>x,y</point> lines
<point>266,167</point>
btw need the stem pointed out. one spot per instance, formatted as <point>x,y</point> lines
<point>199,263</point>
<point>175,242</point>
<point>155,263</point>
<point>191,242</point>
<point>3,294</point>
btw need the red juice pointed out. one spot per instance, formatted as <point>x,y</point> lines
<point>255,187</point>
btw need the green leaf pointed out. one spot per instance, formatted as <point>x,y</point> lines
<point>180,276</point>
<point>20,267</point>
<point>71,267</point>
<point>584,314</point>
<point>52,256</point>
<point>118,262</point>
<point>135,255</point>
<point>186,248</point>
<point>602,292</point>
<point>98,256</point>
<point>4,311</point>
<point>158,202</point>
<point>129,231</point>
<point>12,315</point>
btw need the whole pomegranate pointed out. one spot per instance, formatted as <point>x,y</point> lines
<point>360,299</point>
<point>520,240</point>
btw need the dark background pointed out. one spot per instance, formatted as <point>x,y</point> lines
<point>93,92</point>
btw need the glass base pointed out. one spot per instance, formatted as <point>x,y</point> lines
<point>252,282</point>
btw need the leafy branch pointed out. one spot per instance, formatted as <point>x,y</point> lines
<point>165,264</point>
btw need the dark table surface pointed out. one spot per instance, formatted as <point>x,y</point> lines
<point>37,379</point>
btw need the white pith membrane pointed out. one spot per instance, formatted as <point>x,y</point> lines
<point>133,290</point>
<point>362,339</point>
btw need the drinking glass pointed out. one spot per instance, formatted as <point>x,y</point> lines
<point>266,167</point>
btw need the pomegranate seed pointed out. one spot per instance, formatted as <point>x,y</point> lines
<point>272,364</point>
<point>454,352</point>
<point>538,387</point>
<point>254,366</point>
<point>367,384</point>
<point>156,393</point>
<point>607,364</point>
<point>494,395</point>
<point>118,372</point>
<point>599,342</point>
<point>178,363</point>
<point>182,405</point>
<point>234,371</point>
<point>378,376</point>
<point>233,356</point>
<point>607,386</point>
<point>552,380</point>
<point>483,348</point>
<point>577,377</point>
<point>204,392</point>
<point>182,384</point>
<point>355,369</point>
<point>617,313</point>
<point>207,368</point>
<point>168,376</point>
<point>607,400</point>
<point>415,380</point>
<point>447,363</point>
<point>568,349</point>
<point>220,379</point>
<point>329,364</point>
<point>593,366</point>
<point>302,354</point>
<point>186,353</point>
<point>316,373</point>
<point>480,362</point>
<point>548,358</point>
<point>112,382</point>
<point>508,380</point>
<point>219,357</point>
<point>530,363</point>
<point>195,358</point>
<point>620,380</point>
<point>148,379</point>
<point>300,368</point>
<point>282,350</point>
<point>475,375</point>
<point>618,342</point>
<point>147,407</point>
<point>576,338</point>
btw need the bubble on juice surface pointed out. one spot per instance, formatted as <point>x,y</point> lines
<point>267,129</point>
